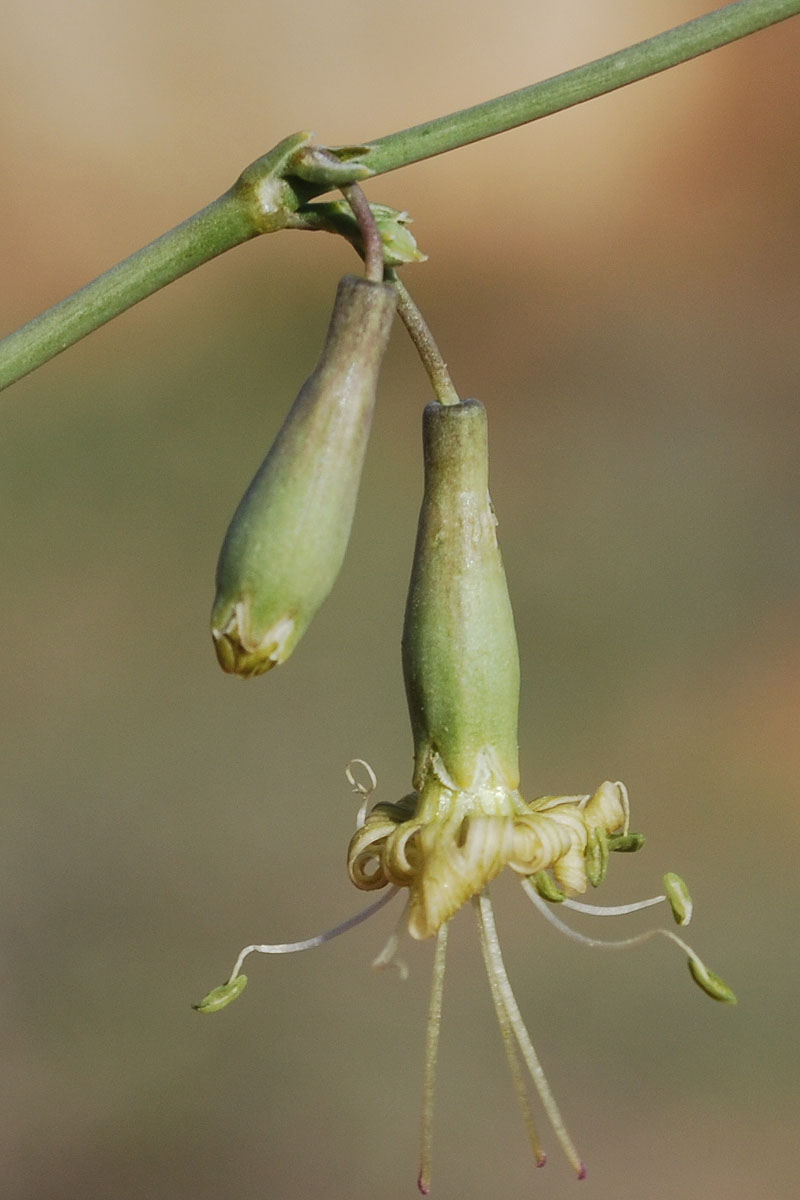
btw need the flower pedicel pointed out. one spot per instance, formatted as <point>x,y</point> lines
<point>285,545</point>
<point>465,820</point>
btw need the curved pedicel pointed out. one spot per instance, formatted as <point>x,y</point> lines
<point>285,545</point>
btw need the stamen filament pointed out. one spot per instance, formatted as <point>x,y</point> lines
<point>431,1056</point>
<point>611,910</point>
<point>510,1046</point>
<point>600,943</point>
<point>496,968</point>
<point>319,939</point>
<point>711,983</point>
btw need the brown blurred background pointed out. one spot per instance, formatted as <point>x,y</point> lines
<point>621,285</point>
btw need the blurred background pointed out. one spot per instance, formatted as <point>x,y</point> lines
<point>620,284</point>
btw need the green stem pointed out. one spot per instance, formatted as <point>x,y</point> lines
<point>549,96</point>
<point>259,202</point>
<point>271,189</point>
<point>208,233</point>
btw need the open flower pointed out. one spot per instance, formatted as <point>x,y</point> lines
<point>465,819</point>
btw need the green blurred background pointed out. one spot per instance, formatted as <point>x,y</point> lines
<point>621,286</point>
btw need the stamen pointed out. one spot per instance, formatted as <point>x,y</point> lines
<point>496,969</point>
<point>711,984</point>
<point>431,1055</point>
<point>509,1045</point>
<point>612,910</point>
<point>319,939</point>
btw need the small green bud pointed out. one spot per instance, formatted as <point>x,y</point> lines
<point>460,658</point>
<point>679,899</point>
<point>286,542</point>
<point>220,997</point>
<point>711,984</point>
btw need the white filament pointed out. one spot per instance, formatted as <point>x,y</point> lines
<point>319,939</point>
<point>612,910</point>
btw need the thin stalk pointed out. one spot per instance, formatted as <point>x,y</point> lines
<point>370,236</point>
<point>424,343</point>
<point>268,192</point>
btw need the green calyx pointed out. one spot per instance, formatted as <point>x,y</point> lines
<point>460,659</point>
<point>285,545</point>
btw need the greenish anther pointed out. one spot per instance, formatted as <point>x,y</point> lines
<point>222,996</point>
<point>546,887</point>
<point>596,856</point>
<point>711,983</point>
<point>679,899</point>
<point>626,843</point>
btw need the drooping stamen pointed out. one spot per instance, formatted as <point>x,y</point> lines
<point>319,939</point>
<point>496,969</point>
<point>510,1046</point>
<point>431,1056</point>
<point>711,983</point>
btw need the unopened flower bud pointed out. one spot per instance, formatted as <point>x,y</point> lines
<point>460,657</point>
<point>285,545</point>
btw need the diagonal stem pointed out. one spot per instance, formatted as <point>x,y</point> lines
<point>271,189</point>
<point>597,78</point>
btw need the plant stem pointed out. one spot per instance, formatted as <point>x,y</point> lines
<point>549,96</point>
<point>259,202</point>
<point>268,192</point>
<point>208,233</point>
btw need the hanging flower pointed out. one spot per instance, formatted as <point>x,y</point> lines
<point>465,819</point>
